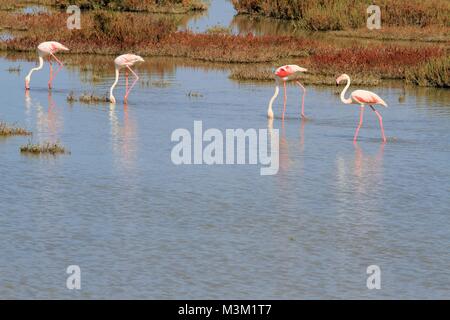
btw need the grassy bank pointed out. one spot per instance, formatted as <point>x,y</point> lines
<point>105,32</point>
<point>323,68</point>
<point>349,14</point>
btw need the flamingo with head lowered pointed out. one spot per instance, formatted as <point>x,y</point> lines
<point>47,50</point>
<point>283,73</point>
<point>124,61</point>
<point>362,97</point>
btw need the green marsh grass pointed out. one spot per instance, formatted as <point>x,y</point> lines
<point>435,73</point>
<point>87,98</point>
<point>7,130</point>
<point>47,147</point>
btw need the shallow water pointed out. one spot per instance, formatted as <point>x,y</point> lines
<point>221,13</point>
<point>141,227</point>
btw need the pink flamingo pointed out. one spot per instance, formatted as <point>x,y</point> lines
<point>283,73</point>
<point>362,97</point>
<point>47,50</point>
<point>125,61</point>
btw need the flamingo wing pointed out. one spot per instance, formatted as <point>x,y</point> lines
<point>295,68</point>
<point>367,97</point>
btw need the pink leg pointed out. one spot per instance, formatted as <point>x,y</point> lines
<point>285,99</point>
<point>57,71</point>
<point>360,123</point>
<point>132,85</point>
<point>303,99</point>
<point>51,74</point>
<point>126,81</point>
<point>380,118</point>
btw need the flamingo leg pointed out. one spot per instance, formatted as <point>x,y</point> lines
<point>285,100</point>
<point>57,71</point>
<point>303,99</point>
<point>126,81</point>
<point>132,85</point>
<point>380,118</point>
<point>361,114</point>
<point>51,73</point>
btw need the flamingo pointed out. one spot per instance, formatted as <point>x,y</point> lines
<point>47,50</point>
<point>124,61</point>
<point>283,73</point>
<point>362,97</point>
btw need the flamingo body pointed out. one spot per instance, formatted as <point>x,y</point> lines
<point>47,49</point>
<point>287,70</point>
<point>50,47</point>
<point>125,61</point>
<point>283,73</point>
<point>367,97</point>
<point>362,97</point>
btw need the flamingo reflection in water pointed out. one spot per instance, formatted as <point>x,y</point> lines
<point>361,177</point>
<point>124,137</point>
<point>49,124</point>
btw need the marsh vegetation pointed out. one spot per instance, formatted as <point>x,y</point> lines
<point>113,32</point>
<point>47,147</point>
<point>7,130</point>
<point>349,14</point>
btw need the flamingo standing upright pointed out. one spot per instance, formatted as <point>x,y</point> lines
<point>124,61</point>
<point>362,97</point>
<point>47,50</point>
<point>283,73</point>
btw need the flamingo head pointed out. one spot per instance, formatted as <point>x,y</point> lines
<point>112,99</point>
<point>27,82</point>
<point>342,77</point>
<point>138,59</point>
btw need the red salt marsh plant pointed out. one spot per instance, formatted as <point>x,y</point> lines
<point>390,61</point>
<point>102,32</point>
<point>369,64</point>
<point>113,33</point>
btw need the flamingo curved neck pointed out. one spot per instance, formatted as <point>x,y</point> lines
<point>41,65</point>
<point>343,99</point>
<point>114,84</point>
<point>269,110</point>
